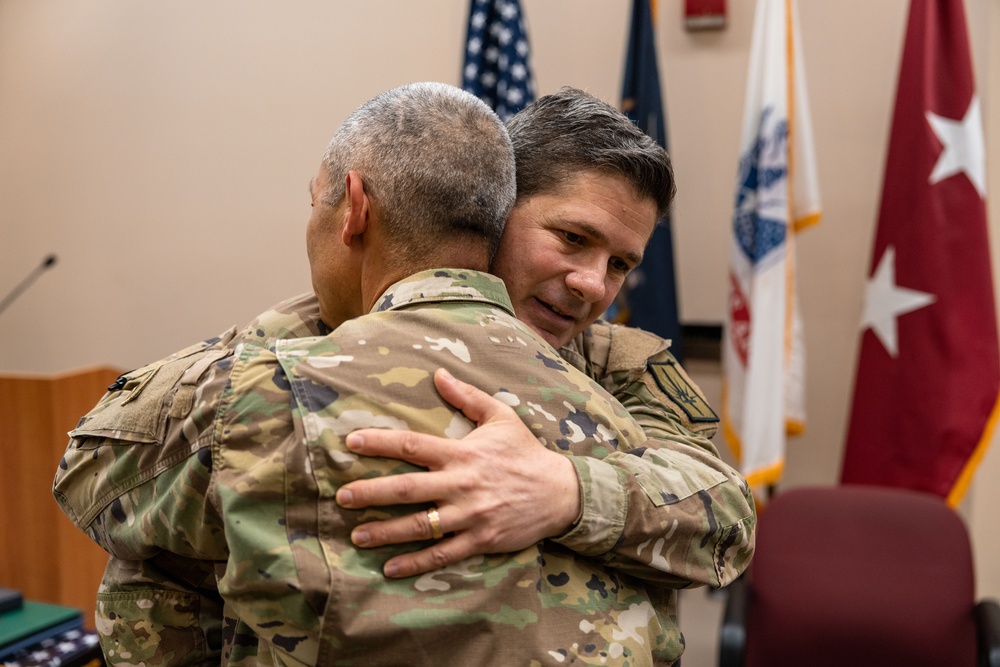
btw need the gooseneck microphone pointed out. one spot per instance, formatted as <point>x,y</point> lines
<point>26,283</point>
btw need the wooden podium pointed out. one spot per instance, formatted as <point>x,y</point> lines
<point>42,553</point>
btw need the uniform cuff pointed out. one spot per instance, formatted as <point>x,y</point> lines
<point>604,505</point>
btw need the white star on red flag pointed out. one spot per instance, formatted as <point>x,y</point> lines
<point>964,148</point>
<point>885,301</point>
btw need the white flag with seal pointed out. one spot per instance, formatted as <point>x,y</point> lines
<point>777,195</point>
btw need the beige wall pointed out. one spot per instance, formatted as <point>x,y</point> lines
<point>984,496</point>
<point>162,150</point>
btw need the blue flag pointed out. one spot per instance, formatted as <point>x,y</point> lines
<point>497,69</point>
<point>649,298</point>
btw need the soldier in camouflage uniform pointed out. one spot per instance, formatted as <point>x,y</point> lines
<point>581,167</point>
<point>139,470</point>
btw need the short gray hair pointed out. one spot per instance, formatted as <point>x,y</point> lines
<point>570,131</point>
<point>436,162</point>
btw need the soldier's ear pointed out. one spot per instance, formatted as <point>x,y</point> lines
<point>358,208</point>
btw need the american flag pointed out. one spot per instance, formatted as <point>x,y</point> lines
<point>497,68</point>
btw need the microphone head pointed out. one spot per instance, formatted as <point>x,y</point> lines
<point>49,261</point>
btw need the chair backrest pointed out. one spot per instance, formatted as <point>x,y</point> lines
<point>860,576</point>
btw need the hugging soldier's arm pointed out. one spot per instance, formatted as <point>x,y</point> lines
<point>670,511</point>
<point>590,188</point>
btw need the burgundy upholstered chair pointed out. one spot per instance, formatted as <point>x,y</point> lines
<point>859,576</point>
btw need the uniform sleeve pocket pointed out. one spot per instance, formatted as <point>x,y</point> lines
<point>135,407</point>
<point>134,412</point>
<point>123,441</point>
<point>675,478</point>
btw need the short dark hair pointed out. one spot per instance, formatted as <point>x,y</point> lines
<point>436,161</point>
<point>570,131</point>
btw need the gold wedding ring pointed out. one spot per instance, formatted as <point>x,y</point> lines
<point>435,520</point>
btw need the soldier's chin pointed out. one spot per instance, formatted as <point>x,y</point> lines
<point>555,340</point>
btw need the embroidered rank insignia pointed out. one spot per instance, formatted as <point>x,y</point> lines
<point>680,391</point>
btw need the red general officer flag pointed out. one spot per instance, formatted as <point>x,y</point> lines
<point>928,376</point>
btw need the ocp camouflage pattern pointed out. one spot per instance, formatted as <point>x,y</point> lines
<point>215,422</point>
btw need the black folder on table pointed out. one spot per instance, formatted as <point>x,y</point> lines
<point>10,599</point>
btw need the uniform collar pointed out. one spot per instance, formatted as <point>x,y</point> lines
<point>437,285</point>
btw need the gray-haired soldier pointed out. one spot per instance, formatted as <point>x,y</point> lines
<point>220,464</point>
<point>583,170</point>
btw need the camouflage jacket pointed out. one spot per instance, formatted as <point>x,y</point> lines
<point>186,458</point>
